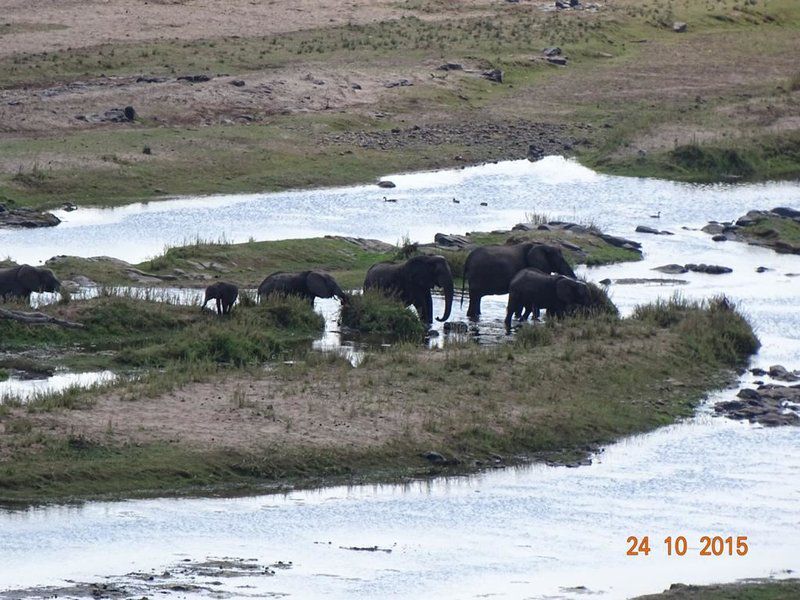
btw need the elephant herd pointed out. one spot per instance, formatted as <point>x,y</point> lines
<point>536,276</point>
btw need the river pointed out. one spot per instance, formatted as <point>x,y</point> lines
<point>531,532</point>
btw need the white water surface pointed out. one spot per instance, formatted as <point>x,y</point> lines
<point>534,532</point>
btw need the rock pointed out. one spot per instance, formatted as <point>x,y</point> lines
<point>535,153</point>
<point>386,184</point>
<point>495,75</point>
<point>620,242</point>
<point>789,213</point>
<point>366,244</point>
<point>69,207</point>
<point>450,66</point>
<point>762,269</point>
<point>435,458</point>
<point>129,112</point>
<point>355,86</point>
<point>672,269</point>
<point>552,51</point>
<point>83,281</point>
<point>719,238</point>
<point>571,246</point>
<point>758,372</point>
<point>451,241</point>
<point>557,60</point>
<point>709,269</point>
<point>679,27</point>
<point>237,82</point>
<point>194,78</point>
<point>749,394</point>
<point>713,228</point>
<point>400,83</point>
<point>143,79</point>
<point>26,218</point>
<point>781,373</point>
<point>646,229</point>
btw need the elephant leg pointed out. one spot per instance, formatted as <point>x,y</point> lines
<point>526,313</point>
<point>428,308</point>
<point>219,306</point>
<point>474,309</point>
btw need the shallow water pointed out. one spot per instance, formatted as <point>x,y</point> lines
<point>535,532</point>
<point>25,388</point>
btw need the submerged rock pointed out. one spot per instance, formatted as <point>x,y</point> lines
<point>769,405</point>
<point>671,269</point>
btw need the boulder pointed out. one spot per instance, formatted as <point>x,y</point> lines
<point>450,66</point>
<point>672,269</point>
<point>237,82</point>
<point>620,242</point>
<point>435,458</point>
<point>194,78</point>
<point>552,51</point>
<point>398,83</point>
<point>713,228</point>
<point>26,218</point>
<point>456,327</point>
<point>451,241</point>
<point>386,184</point>
<point>762,269</point>
<point>535,153</point>
<point>647,229</point>
<point>781,373</point>
<point>495,75</point>
<point>679,27</point>
<point>557,60</point>
<point>709,269</point>
<point>719,238</point>
<point>789,213</point>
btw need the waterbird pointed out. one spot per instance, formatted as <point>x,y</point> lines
<point>656,216</point>
<point>484,204</point>
<point>385,199</point>
<point>456,201</point>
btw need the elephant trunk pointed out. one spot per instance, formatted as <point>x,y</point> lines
<point>448,299</point>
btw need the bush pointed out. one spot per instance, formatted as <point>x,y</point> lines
<point>373,312</point>
<point>291,312</point>
<point>531,335</point>
<point>664,313</point>
<point>599,303</point>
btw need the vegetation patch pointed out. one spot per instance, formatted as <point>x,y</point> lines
<point>767,589</point>
<point>375,313</point>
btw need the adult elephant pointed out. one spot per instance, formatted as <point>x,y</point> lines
<point>225,295</point>
<point>306,284</point>
<point>532,290</point>
<point>490,269</point>
<point>22,281</point>
<point>412,281</point>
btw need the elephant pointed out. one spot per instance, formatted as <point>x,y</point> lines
<point>532,290</point>
<point>224,293</point>
<point>490,269</point>
<point>306,284</point>
<point>412,281</point>
<point>23,280</point>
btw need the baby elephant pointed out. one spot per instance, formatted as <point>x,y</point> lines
<point>532,290</point>
<point>224,293</point>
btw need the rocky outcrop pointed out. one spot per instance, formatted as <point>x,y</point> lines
<point>26,218</point>
<point>445,240</point>
<point>368,245</point>
<point>761,228</point>
<point>770,405</point>
<point>675,269</point>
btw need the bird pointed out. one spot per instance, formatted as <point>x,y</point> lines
<point>484,204</point>
<point>456,201</point>
<point>385,199</point>
<point>656,216</point>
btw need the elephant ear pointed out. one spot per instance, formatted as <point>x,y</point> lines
<point>318,284</point>
<point>565,290</point>
<point>28,276</point>
<point>420,271</point>
<point>537,258</point>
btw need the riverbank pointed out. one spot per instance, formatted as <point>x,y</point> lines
<point>404,413</point>
<point>228,107</point>
<point>749,590</point>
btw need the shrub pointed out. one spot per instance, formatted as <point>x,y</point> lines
<point>599,303</point>
<point>373,312</point>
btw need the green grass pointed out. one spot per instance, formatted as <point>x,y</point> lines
<point>773,229</point>
<point>374,313</point>
<point>787,589</point>
<point>123,332</point>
